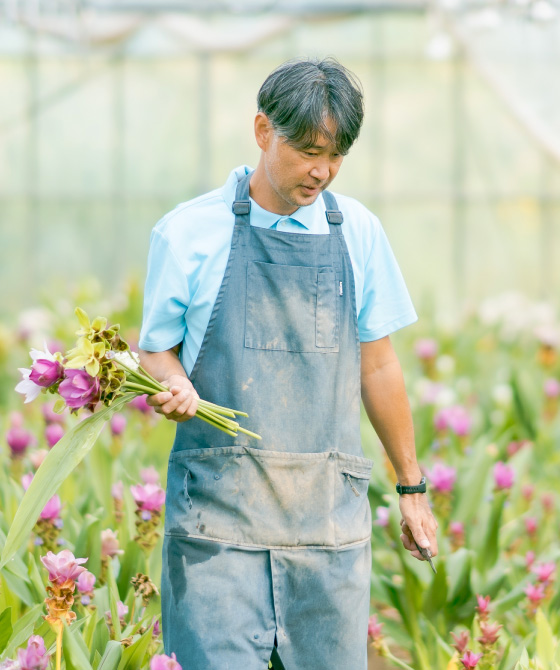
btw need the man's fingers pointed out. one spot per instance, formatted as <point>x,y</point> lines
<point>159,398</point>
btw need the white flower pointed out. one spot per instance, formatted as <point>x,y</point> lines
<point>502,394</point>
<point>29,388</point>
<point>128,358</point>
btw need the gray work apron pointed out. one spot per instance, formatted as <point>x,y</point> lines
<point>269,542</point>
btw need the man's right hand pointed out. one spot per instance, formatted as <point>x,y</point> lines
<point>179,403</point>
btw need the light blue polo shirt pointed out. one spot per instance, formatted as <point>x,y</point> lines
<point>189,249</point>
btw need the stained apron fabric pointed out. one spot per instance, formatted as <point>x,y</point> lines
<point>269,541</point>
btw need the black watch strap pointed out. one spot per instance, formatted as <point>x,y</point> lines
<point>419,488</point>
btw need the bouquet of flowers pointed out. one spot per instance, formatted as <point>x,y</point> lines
<point>100,370</point>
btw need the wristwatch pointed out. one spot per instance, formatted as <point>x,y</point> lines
<point>419,488</point>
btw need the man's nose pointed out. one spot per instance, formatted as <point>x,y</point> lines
<point>320,169</point>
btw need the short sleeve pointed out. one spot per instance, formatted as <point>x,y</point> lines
<point>386,303</point>
<point>166,298</point>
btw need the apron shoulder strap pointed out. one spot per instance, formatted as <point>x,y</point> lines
<point>242,204</point>
<point>333,214</point>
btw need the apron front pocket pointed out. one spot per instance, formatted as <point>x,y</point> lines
<point>291,308</point>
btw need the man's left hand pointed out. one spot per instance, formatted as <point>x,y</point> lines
<point>417,523</point>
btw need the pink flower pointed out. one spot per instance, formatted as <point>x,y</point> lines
<point>139,403</point>
<point>548,502</point>
<point>535,593</point>
<point>50,416</point>
<point>374,627</point>
<point>382,514</point>
<point>16,420</point>
<point>53,433</point>
<point>51,510</point>
<point>35,657</point>
<point>529,559</point>
<point>454,418</point>
<point>461,640</point>
<point>527,491</point>
<point>503,476</point>
<point>544,571</point>
<point>163,662</point>
<point>149,497</point>
<point>442,477</point>
<point>531,525</point>
<point>86,581</point>
<point>490,633</point>
<point>37,457</point>
<point>46,372</point>
<point>27,386</point>
<point>149,475</point>
<point>117,490</point>
<point>426,348</point>
<point>26,480</point>
<point>63,566</point>
<point>552,388</point>
<point>18,440</point>
<point>118,424</point>
<point>483,606</point>
<point>457,528</point>
<point>109,544</point>
<point>470,660</point>
<point>79,389</point>
<point>122,609</point>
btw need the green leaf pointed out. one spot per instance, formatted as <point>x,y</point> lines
<point>133,656</point>
<point>75,652</point>
<point>59,463</point>
<point>545,642</point>
<point>113,600</point>
<point>23,629</point>
<point>5,628</point>
<point>112,656</point>
<point>489,547</point>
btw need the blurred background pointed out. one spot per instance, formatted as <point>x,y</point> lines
<point>111,113</point>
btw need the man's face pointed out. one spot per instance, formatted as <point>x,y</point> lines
<point>295,177</point>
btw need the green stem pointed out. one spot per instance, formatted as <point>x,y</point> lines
<point>248,432</point>
<point>230,425</point>
<point>223,409</point>
<point>398,662</point>
<point>212,423</point>
<point>138,387</point>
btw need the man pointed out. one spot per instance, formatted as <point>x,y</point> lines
<point>275,297</point>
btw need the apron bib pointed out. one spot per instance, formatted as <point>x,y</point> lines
<point>278,529</point>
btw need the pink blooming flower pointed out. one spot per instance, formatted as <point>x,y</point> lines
<point>122,609</point>
<point>461,640</point>
<point>35,657</point>
<point>50,416</point>
<point>16,420</point>
<point>529,559</point>
<point>457,528</point>
<point>382,514</point>
<point>18,440</point>
<point>490,633</point>
<point>552,388</point>
<point>149,475</point>
<point>118,424</point>
<point>503,476</point>
<point>26,480</point>
<point>527,491</point>
<point>51,511</point>
<point>531,525</point>
<point>374,627</point>
<point>109,544</point>
<point>63,566</point>
<point>470,659</point>
<point>27,386</point>
<point>149,497</point>
<point>483,606</point>
<point>163,662</point>
<point>426,348</point>
<point>535,593</point>
<point>86,581</point>
<point>117,490</point>
<point>79,389</point>
<point>139,403</point>
<point>45,373</point>
<point>548,502</point>
<point>442,477</point>
<point>454,418</point>
<point>37,457</point>
<point>544,571</point>
<point>53,433</point>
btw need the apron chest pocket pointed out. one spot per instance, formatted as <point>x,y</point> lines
<point>291,308</point>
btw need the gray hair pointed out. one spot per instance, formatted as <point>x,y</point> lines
<point>300,95</point>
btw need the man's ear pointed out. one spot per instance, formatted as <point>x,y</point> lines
<point>263,130</point>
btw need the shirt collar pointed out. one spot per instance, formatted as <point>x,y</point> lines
<point>310,217</point>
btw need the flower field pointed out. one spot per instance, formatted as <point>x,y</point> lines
<point>82,593</point>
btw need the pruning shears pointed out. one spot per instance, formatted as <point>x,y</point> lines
<point>427,554</point>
